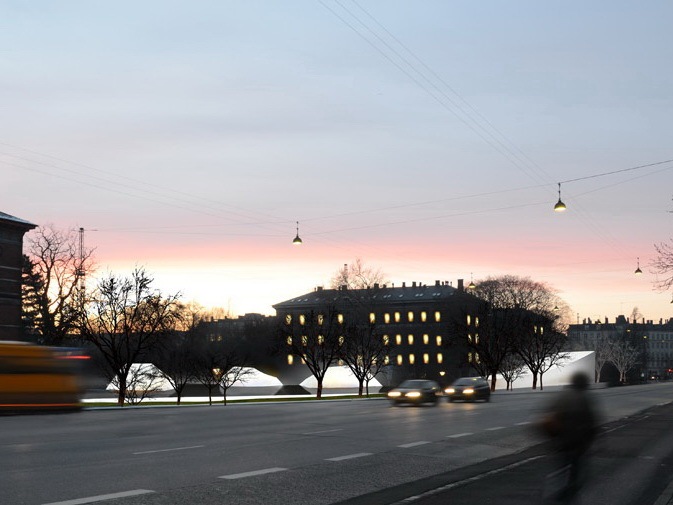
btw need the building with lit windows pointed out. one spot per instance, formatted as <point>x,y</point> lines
<point>425,326</point>
<point>653,340</point>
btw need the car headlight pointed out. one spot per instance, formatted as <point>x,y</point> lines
<point>468,391</point>
<point>394,394</point>
<point>413,394</point>
<point>449,391</point>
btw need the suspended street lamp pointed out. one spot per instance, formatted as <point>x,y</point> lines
<point>560,206</point>
<point>638,270</point>
<point>297,240</point>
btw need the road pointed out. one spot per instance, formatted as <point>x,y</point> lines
<point>279,453</point>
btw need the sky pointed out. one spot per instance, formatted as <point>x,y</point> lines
<point>426,138</point>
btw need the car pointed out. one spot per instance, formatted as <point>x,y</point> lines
<point>415,391</point>
<point>469,389</point>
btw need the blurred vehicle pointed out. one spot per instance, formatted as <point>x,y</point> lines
<point>34,377</point>
<point>415,391</point>
<point>469,389</point>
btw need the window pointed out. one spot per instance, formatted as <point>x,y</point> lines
<point>372,317</point>
<point>321,340</point>
<point>412,359</point>
<point>469,338</point>
<point>304,340</point>
<point>440,357</point>
<point>288,319</point>
<point>289,341</point>
<point>386,340</point>
<point>476,338</point>
<point>469,357</point>
<point>476,322</point>
<point>398,339</point>
<point>410,316</point>
<point>424,316</point>
<point>469,320</point>
<point>340,318</point>
<point>426,358</point>
<point>438,316</point>
<point>386,318</point>
<point>400,360</point>
<point>386,360</point>
<point>321,319</point>
<point>290,359</point>
<point>302,319</point>
<point>426,339</point>
<point>410,339</point>
<point>397,317</point>
<point>438,339</point>
<point>341,339</point>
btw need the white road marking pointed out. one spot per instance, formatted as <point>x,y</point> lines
<point>465,481</point>
<point>350,456</point>
<point>323,431</point>
<point>168,450</point>
<point>412,444</point>
<point>615,428</point>
<point>495,428</point>
<point>252,474</point>
<point>522,424</point>
<point>458,435</point>
<point>102,497</point>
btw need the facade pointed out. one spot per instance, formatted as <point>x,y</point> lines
<point>654,340</point>
<point>425,327</point>
<point>12,230</point>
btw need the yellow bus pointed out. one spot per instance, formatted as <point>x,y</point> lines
<point>34,377</point>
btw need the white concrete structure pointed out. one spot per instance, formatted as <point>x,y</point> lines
<point>338,377</point>
<point>559,374</point>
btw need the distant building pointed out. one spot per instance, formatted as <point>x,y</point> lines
<point>654,340</point>
<point>418,321</point>
<point>12,230</point>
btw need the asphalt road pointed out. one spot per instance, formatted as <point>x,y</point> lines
<point>302,452</point>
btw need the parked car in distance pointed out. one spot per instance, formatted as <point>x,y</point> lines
<point>416,391</point>
<point>469,389</point>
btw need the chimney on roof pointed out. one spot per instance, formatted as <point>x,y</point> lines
<point>404,284</point>
<point>376,285</point>
<point>436,283</point>
<point>413,284</point>
<point>606,319</point>
<point>460,285</point>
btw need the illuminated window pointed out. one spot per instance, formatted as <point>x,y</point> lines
<point>438,316</point>
<point>476,322</point>
<point>290,359</point>
<point>386,360</point>
<point>386,340</point>
<point>304,340</point>
<point>412,359</point>
<point>302,319</point>
<point>398,339</point>
<point>469,319</point>
<point>469,338</point>
<point>288,319</point>
<point>424,316</point>
<point>541,330</point>
<point>340,362</point>
<point>397,317</point>
<point>426,339</point>
<point>476,357</point>
<point>386,318</point>
<point>372,318</point>
<point>426,358</point>
<point>341,340</point>
<point>440,357</point>
<point>321,340</point>
<point>400,360</point>
<point>340,318</point>
<point>410,339</point>
<point>321,319</point>
<point>476,338</point>
<point>438,339</point>
<point>469,357</point>
<point>410,316</point>
<point>289,340</point>
<point>303,359</point>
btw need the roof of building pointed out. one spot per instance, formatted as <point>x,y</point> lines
<point>377,294</point>
<point>7,219</point>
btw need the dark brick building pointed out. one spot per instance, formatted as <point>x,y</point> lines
<point>12,230</point>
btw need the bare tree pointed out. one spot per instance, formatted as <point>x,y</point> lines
<point>364,350</point>
<point>175,360</point>
<point>237,372</point>
<point>511,368</point>
<point>144,381</point>
<point>624,355</point>
<point>123,319</point>
<point>218,365</point>
<point>357,275</point>
<point>602,353</point>
<point>315,338</point>
<point>662,265</point>
<point>53,280</point>
<point>539,346</point>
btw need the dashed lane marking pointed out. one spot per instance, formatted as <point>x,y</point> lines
<point>495,428</point>
<point>413,444</point>
<point>350,456</point>
<point>522,424</point>
<point>458,435</point>
<point>323,431</point>
<point>102,497</point>
<point>169,450</point>
<point>252,474</point>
